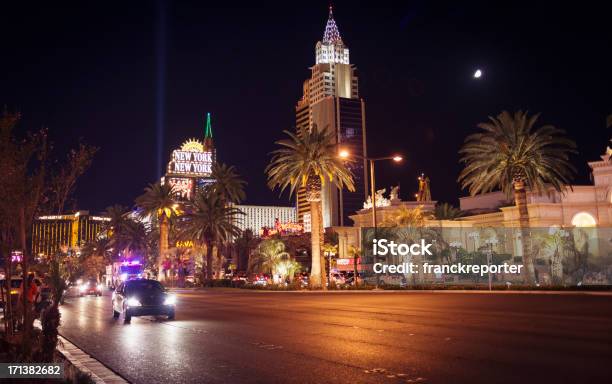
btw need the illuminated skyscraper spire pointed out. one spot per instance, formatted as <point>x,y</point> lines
<point>331,49</point>
<point>208,130</point>
<point>331,35</point>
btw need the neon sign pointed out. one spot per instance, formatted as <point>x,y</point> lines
<point>191,160</point>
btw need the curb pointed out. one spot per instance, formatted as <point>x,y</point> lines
<point>99,373</point>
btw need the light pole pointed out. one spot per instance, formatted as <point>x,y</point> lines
<point>490,242</point>
<point>344,154</point>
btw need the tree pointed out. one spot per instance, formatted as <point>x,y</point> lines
<point>408,217</point>
<point>309,159</point>
<point>445,211</point>
<point>354,252</point>
<point>209,221</point>
<point>228,183</point>
<point>512,155</point>
<point>23,167</point>
<point>95,255</point>
<point>268,256</point>
<point>26,191</point>
<point>158,202</point>
<point>64,180</point>
<point>230,187</point>
<point>244,244</point>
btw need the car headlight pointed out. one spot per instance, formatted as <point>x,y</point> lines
<point>82,288</point>
<point>133,302</point>
<point>124,276</point>
<point>100,287</point>
<point>170,300</point>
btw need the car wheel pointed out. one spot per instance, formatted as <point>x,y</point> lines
<point>127,317</point>
<point>171,315</point>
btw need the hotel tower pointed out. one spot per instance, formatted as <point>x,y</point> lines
<point>331,101</point>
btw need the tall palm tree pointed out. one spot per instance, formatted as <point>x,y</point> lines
<point>209,221</point>
<point>230,187</point>
<point>228,183</point>
<point>309,159</point>
<point>512,155</point>
<point>244,244</point>
<point>114,227</point>
<point>158,202</point>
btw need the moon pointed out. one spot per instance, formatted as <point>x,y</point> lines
<point>477,74</point>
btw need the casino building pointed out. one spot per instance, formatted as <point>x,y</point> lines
<point>55,233</point>
<point>331,101</point>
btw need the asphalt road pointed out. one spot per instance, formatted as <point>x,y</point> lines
<point>278,337</point>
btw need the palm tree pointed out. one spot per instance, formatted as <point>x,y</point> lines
<point>408,217</point>
<point>268,256</point>
<point>244,244</point>
<point>309,159</point>
<point>511,154</point>
<point>354,252</point>
<point>228,183</point>
<point>445,211</point>
<point>209,221</point>
<point>158,202</point>
<point>114,227</point>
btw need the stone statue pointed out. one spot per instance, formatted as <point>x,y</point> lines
<point>379,198</point>
<point>394,194</point>
<point>424,193</point>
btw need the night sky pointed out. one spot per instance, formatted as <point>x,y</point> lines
<point>113,73</point>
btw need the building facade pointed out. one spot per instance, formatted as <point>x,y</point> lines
<point>257,217</point>
<point>331,101</point>
<point>55,233</point>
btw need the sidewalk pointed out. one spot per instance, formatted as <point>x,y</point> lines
<point>87,364</point>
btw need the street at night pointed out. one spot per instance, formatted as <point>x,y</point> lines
<point>325,192</point>
<point>231,336</point>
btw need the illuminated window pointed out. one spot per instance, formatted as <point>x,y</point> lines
<point>583,219</point>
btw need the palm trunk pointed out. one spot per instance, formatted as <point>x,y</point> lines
<point>209,260</point>
<point>315,242</point>
<point>355,271</point>
<point>324,262</point>
<point>163,246</point>
<point>520,200</point>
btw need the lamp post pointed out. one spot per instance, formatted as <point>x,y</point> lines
<point>371,160</point>
<point>490,242</point>
<point>344,154</point>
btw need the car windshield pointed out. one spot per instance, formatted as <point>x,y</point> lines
<point>143,285</point>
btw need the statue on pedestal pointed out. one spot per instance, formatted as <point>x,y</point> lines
<point>424,193</point>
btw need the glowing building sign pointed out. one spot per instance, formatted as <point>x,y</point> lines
<point>191,160</point>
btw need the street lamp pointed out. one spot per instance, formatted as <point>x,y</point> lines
<point>490,242</point>
<point>344,154</point>
<point>329,255</point>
